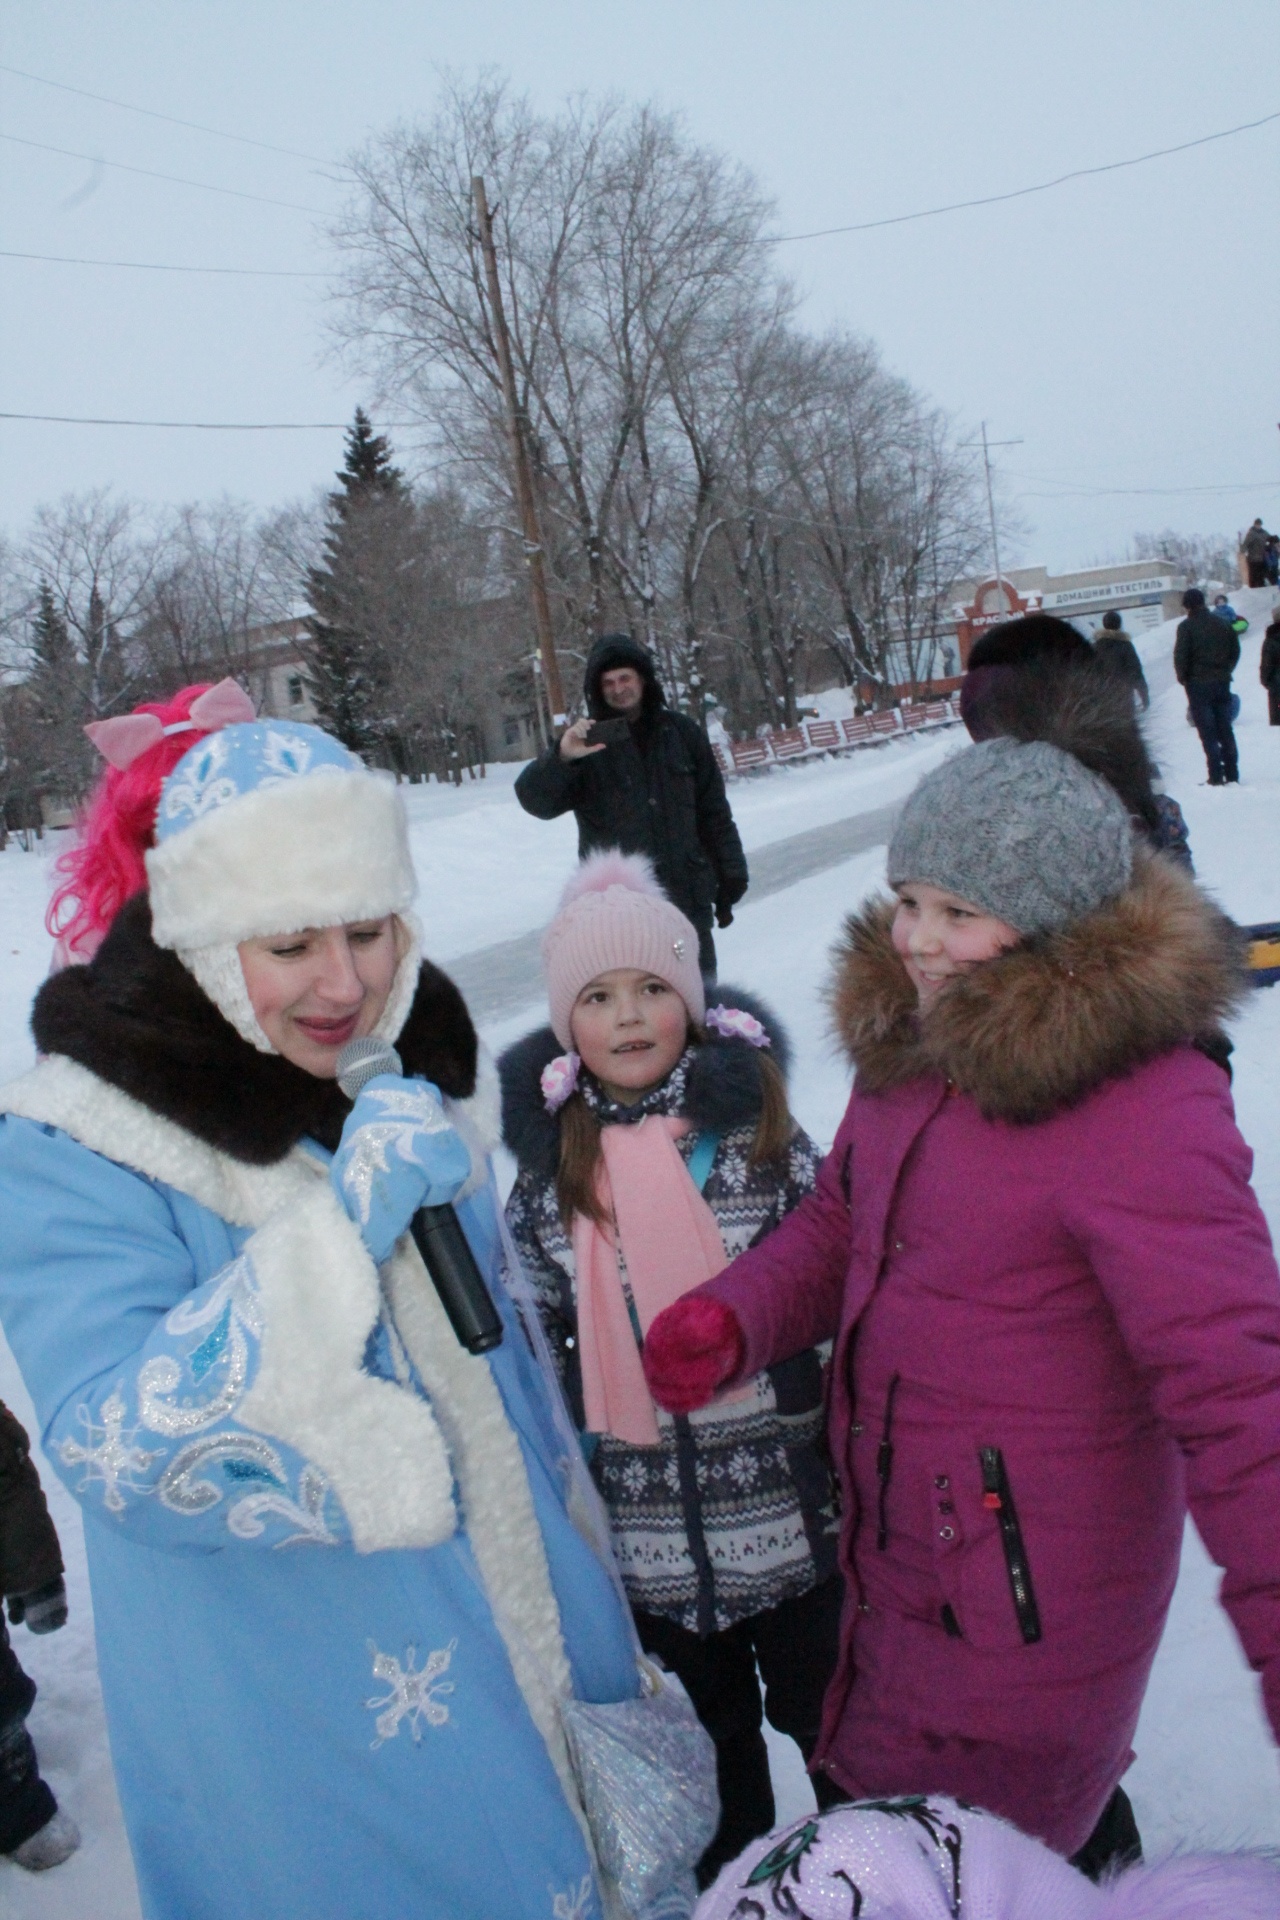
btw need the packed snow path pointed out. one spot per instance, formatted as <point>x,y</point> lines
<point>501,978</point>
<point>1206,1770</point>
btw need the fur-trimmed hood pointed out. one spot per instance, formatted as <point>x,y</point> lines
<point>1041,1026</point>
<point>722,1089</point>
<point>136,1018</point>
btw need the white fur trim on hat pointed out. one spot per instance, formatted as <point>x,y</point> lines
<point>613,914</point>
<point>313,852</point>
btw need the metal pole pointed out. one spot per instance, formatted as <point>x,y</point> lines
<point>991,504</point>
<point>520,461</point>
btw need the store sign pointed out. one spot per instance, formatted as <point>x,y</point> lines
<point>994,601</point>
<point>1102,594</point>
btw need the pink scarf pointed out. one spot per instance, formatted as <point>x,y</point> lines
<point>670,1244</point>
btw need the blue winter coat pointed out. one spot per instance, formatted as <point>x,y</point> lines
<point>313,1710</point>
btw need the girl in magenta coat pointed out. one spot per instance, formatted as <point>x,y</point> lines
<point>1052,1292</point>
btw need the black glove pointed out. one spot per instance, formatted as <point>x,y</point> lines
<point>44,1609</point>
<point>724,914</point>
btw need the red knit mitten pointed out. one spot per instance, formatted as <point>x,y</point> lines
<point>691,1349</point>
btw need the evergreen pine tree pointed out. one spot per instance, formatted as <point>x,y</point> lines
<point>58,706</point>
<point>348,679</point>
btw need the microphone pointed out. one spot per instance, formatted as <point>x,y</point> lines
<point>437,1231</point>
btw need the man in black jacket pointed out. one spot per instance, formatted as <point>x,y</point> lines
<point>653,789</point>
<point>1205,654</point>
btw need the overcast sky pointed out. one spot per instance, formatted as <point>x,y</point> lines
<point>1124,328</point>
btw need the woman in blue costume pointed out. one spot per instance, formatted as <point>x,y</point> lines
<point>340,1581</point>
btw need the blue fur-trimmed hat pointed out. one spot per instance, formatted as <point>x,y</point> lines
<point>269,827</point>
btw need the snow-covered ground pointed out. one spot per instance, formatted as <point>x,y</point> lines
<point>1206,1770</point>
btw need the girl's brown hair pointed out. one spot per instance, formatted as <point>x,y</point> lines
<point>580,1141</point>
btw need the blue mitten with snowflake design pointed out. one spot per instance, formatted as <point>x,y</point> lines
<point>397,1153</point>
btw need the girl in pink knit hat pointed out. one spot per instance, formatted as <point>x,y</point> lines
<point>654,1142</point>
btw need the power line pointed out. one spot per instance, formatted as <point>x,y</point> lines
<point>193,126</point>
<point>161,266</point>
<point>120,166</point>
<point>1065,490</point>
<point>1020,193</point>
<point>198,426</point>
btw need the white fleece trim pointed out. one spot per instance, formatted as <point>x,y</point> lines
<point>405,984</point>
<point>220,977</point>
<point>61,1093</point>
<point>497,1505</point>
<point>378,1442</point>
<point>313,852</point>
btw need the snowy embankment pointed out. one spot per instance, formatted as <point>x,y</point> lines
<point>1206,1771</point>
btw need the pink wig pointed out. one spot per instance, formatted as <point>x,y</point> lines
<point>104,867</point>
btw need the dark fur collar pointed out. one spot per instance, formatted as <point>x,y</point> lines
<point>722,1090</point>
<point>1039,1028</point>
<point>135,1017</point>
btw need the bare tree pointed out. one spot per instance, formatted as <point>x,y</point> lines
<point>615,234</point>
<point>90,552</point>
<point>1196,556</point>
<point>219,571</point>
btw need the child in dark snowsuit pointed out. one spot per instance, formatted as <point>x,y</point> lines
<point>654,1143</point>
<point>32,1831</point>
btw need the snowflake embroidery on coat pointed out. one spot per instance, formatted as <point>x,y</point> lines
<point>415,1692</point>
<point>744,1468</point>
<point>287,754</point>
<point>635,1478</point>
<point>572,1905</point>
<point>108,1453</point>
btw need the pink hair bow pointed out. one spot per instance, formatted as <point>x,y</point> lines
<point>735,1024</point>
<point>123,738</point>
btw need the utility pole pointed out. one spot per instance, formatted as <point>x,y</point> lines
<point>991,503</point>
<point>533,550</point>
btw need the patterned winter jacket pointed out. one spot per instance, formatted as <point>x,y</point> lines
<point>734,1510</point>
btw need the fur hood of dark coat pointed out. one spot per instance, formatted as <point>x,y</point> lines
<point>136,1018</point>
<point>722,1090</point>
<point>1038,1028</point>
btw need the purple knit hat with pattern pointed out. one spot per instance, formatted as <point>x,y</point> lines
<point>612,914</point>
<point>926,1857</point>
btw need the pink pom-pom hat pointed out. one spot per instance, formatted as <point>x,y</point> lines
<point>613,914</point>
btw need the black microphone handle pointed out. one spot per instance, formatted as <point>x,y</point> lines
<point>447,1256</point>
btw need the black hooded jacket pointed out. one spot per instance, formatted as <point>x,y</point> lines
<point>659,792</point>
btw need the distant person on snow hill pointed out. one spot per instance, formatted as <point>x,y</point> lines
<point>1269,667</point>
<point>1272,563</point>
<point>1223,610</point>
<point>1117,655</point>
<point>1205,655</point>
<point>644,782</point>
<point>32,1830</point>
<point>1254,548</point>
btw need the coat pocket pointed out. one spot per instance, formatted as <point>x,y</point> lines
<point>981,1558</point>
<point>997,1498</point>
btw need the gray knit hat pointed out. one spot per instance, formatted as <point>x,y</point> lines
<point>1020,828</point>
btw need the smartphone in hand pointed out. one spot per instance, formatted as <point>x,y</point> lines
<point>608,732</point>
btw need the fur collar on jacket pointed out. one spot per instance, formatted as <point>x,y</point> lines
<point>1037,1029</point>
<point>721,1089</point>
<point>135,1017</point>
